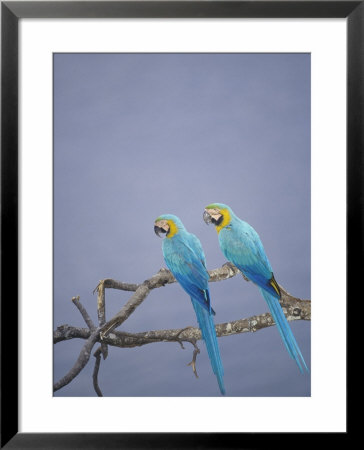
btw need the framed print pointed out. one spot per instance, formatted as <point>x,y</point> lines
<point>115,114</point>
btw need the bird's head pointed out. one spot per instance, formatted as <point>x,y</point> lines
<point>167,224</point>
<point>217,214</point>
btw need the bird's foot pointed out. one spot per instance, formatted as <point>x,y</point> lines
<point>176,337</point>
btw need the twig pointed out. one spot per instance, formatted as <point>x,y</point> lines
<point>113,284</point>
<point>194,356</point>
<point>101,313</point>
<point>84,313</point>
<point>81,362</point>
<point>95,373</point>
<point>157,280</point>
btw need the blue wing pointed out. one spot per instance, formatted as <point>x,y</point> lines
<point>242,246</point>
<point>186,260</point>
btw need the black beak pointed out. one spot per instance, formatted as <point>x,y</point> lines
<point>207,218</point>
<point>158,230</point>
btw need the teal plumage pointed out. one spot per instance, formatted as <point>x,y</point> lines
<point>242,246</point>
<point>184,257</point>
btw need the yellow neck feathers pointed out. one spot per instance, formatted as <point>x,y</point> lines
<point>173,229</point>
<point>226,220</point>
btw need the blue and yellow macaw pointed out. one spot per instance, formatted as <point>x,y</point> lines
<point>241,245</point>
<point>185,258</point>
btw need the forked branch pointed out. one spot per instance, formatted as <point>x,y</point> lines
<point>106,334</point>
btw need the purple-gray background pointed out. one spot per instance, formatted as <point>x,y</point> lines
<point>139,135</point>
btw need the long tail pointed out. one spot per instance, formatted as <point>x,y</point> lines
<point>207,327</point>
<point>284,329</point>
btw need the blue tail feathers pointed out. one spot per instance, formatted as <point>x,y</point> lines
<point>207,327</point>
<point>284,330</point>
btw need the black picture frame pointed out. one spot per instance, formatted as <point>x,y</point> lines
<point>11,12</point>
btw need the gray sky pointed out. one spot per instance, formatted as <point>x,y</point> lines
<point>139,135</point>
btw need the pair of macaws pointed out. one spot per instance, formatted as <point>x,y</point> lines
<point>242,246</point>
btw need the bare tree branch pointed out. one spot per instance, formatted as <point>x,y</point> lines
<point>193,362</point>
<point>81,362</point>
<point>95,374</point>
<point>84,313</point>
<point>294,309</point>
<point>101,314</point>
<point>113,284</point>
<point>159,279</point>
<point>67,332</point>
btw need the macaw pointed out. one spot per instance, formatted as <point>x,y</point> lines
<point>184,257</point>
<point>242,246</point>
